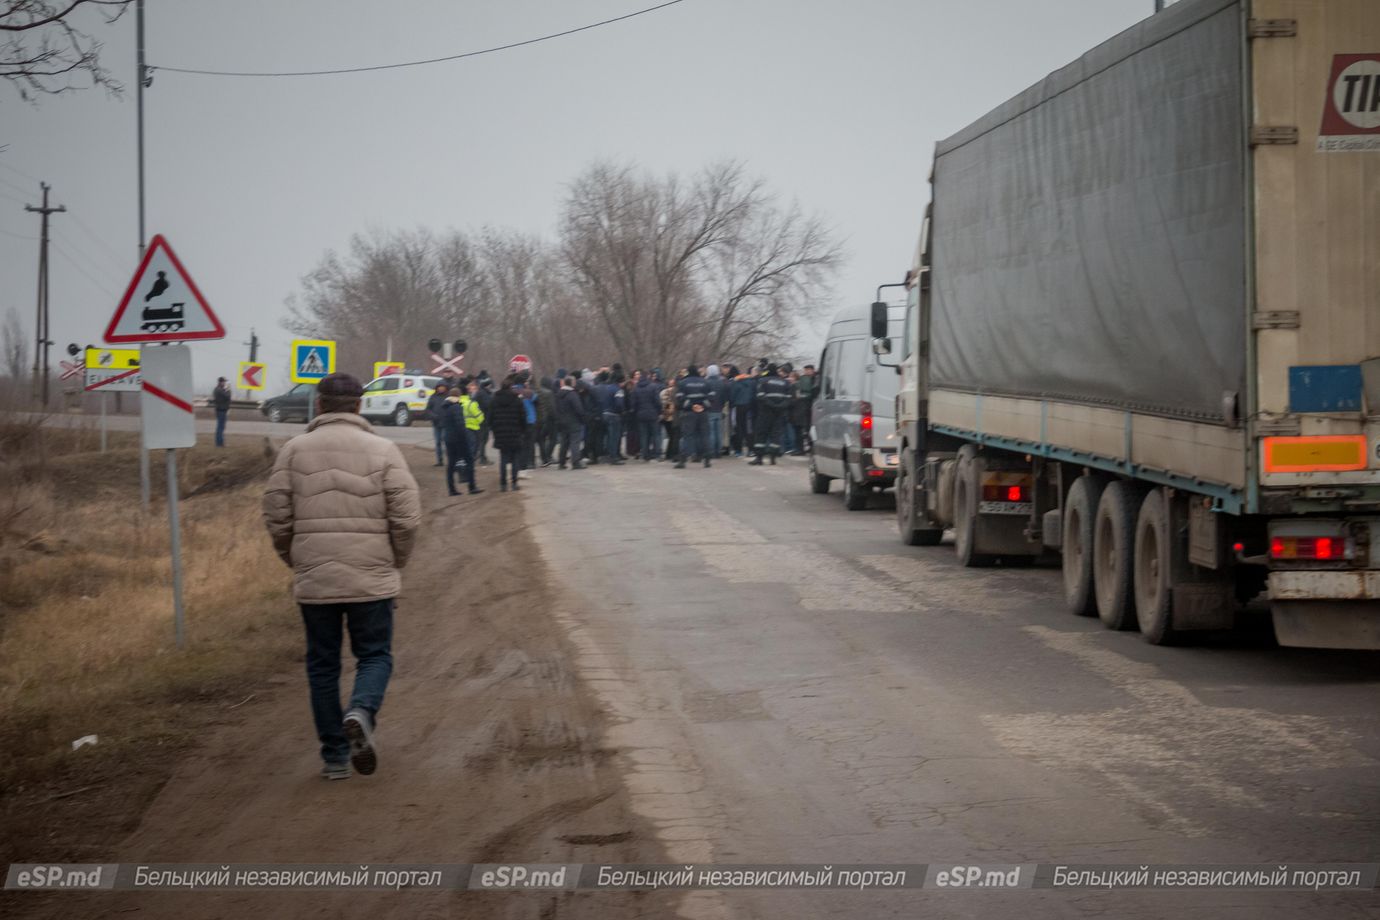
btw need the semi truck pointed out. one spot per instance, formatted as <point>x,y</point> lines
<point>1142,329</point>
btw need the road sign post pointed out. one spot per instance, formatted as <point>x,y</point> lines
<point>312,361</point>
<point>169,422</point>
<point>161,304</point>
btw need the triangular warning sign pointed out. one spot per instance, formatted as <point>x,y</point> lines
<point>162,303</point>
<point>311,364</point>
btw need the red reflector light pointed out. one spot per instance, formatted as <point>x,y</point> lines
<point>1277,548</point>
<point>1322,548</point>
<point>876,472</point>
<point>865,423</point>
<point>1238,547</point>
<point>1013,494</point>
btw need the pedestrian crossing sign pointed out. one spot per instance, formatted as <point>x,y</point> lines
<point>312,359</point>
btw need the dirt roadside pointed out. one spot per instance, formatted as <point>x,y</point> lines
<point>492,749</point>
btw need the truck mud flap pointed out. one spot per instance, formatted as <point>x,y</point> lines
<point>1327,624</point>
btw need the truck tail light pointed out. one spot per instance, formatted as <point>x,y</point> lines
<point>997,492</point>
<point>865,424</point>
<point>1310,541</point>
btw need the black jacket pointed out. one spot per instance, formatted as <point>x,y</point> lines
<point>774,393</point>
<point>693,391</point>
<point>570,410</point>
<point>220,398</point>
<point>507,419</point>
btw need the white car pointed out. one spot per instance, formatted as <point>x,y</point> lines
<point>397,399</point>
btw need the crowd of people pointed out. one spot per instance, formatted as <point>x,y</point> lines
<point>586,417</point>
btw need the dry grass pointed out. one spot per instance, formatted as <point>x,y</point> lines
<point>86,621</point>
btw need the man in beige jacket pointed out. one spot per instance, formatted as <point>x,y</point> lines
<point>343,511</point>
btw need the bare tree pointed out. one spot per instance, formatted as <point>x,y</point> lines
<point>43,52</point>
<point>702,270</point>
<point>14,346</point>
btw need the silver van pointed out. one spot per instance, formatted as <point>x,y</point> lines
<point>852,423</point>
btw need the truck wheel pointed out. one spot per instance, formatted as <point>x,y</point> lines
<point>1153,570</point>
<point>854,495</point>
<point>965,516</point>
<point>1113,541</point>
<point>402,416</point>
<point>907,517</point>
<point>1080,508</point>
<point>818,484</point>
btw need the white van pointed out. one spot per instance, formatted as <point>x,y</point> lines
<point>852,423</point>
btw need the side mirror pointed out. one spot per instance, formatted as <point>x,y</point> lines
<point>881,346</point>
<point>879,318</point>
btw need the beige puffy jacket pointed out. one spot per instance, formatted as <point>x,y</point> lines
<point>343,511</point>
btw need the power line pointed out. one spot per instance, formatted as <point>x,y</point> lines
<point>23,191</point>
<point>94,265</point>
<point>16,169</point>
<point>19,236</point>
<point>122,265</point>
<point>453,57</point>
<point>100,285</point>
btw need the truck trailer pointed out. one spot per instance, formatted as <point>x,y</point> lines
<point>1143,327</point>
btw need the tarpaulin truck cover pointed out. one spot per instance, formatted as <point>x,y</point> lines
<point>1089,236</point>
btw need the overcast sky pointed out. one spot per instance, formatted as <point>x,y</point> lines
<point>838,104</point>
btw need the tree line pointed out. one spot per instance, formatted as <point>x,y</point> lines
<point>649,270</point>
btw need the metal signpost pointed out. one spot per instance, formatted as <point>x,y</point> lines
<point>169,422</point>
<point>112,370</point>
<point>161,305</point>
<point>312,360</point>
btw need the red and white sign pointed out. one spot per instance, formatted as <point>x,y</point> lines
<point>388,368</point>
<point>519,364</point>
<point>1351,111</point>
<point>71,369</point>
<point>251,375</point>
<point>446,364</point>
<point>162,303</point>
<point>166,403</point>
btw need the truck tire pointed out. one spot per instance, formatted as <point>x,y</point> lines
<point>966,514</point>
<point>818,484</point>
<point>1153,570</point>
<point>1113,544</point>
<point>854,495</point>
<point>907,514</point>
<point>1080,509</point>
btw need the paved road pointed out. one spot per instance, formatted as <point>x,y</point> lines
<point>791,684</point>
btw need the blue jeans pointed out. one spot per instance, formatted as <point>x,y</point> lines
<point>370,625</point>
<point>788,438</point>
<point>439,434</point>
<point>613,434</point>
<point>716,438</point>
<point>649,433</point>
<point>220,427</point>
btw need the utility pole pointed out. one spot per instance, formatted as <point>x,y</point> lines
<point>41,337</point>
<point>253,344</point>
<point>142,80</point>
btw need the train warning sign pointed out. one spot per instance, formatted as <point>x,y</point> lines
<point>162,303</point>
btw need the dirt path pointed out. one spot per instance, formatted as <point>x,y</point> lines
<point>491,749</point>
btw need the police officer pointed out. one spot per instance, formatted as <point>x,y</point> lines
<point>774,395</point>
<point>693,395</point>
